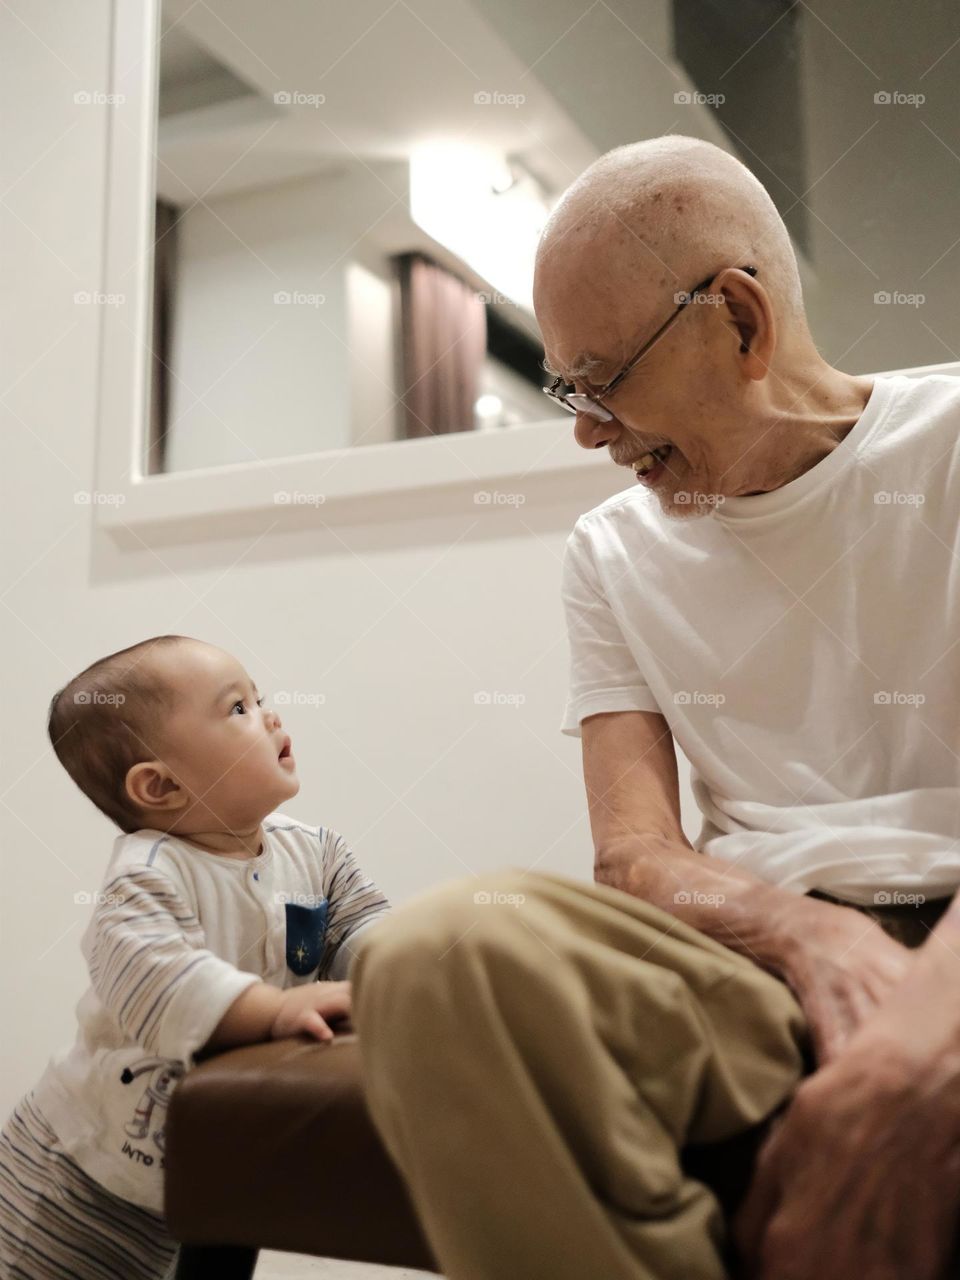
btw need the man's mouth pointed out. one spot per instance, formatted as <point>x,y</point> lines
<point>653,458</point>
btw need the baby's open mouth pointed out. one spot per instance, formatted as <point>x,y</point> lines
<point>284,750</point>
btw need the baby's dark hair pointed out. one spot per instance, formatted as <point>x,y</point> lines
<point>109,718</point>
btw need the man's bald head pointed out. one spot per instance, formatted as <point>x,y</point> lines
<point>653,218</point>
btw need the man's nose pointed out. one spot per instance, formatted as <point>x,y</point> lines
<point>589,433</point>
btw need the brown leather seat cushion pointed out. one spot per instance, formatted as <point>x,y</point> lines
<point>271,1146</point>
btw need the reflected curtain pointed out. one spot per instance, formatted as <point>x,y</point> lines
<point>164,279</point>
<point>444,341</point>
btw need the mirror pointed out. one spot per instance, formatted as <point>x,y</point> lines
<point>348,198</point>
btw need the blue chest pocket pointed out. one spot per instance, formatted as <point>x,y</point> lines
<point>306,930</point>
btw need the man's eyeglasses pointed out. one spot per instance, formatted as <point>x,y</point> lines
<point>576,402</point>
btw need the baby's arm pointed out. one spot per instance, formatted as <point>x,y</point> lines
<point>151,969</point>
<point>263,1012</point>
<point>355,904</point>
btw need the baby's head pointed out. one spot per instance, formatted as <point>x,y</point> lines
<point>170,733</point>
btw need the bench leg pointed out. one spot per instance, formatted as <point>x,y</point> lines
<point>215,1262</point>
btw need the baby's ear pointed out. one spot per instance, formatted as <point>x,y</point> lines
<point>152,787</point>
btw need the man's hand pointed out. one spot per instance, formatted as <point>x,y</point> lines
<point>838,962</point>
<point>840,965</point>
<point>861,1176</point>
<point>306,1009</point>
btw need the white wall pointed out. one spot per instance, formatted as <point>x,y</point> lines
<point>397,625</point>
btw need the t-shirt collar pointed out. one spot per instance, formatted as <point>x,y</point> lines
<point>745,508</point>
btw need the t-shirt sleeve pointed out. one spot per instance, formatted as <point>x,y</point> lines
<point>150,967</point>
<point>355,904</point>
<point>604,675</point>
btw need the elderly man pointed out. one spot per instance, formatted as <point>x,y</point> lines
<point>577,1080</point>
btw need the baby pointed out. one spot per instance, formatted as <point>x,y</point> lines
<point>220,922</point>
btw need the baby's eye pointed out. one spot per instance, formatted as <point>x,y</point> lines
<point>240,704</point>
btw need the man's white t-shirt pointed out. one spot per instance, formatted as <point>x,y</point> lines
<point>804,647</point>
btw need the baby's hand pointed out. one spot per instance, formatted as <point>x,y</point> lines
<point>305,1008</point>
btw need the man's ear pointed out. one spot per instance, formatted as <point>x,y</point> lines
<point>749,315</point>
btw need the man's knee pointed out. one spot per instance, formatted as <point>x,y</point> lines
<point>450,923</point>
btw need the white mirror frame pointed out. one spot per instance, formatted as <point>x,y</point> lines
<point>346,478</point>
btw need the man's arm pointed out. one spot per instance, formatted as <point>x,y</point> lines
<point>838,963</point>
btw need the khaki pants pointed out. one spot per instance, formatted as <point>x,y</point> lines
<point>547,1061</point>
